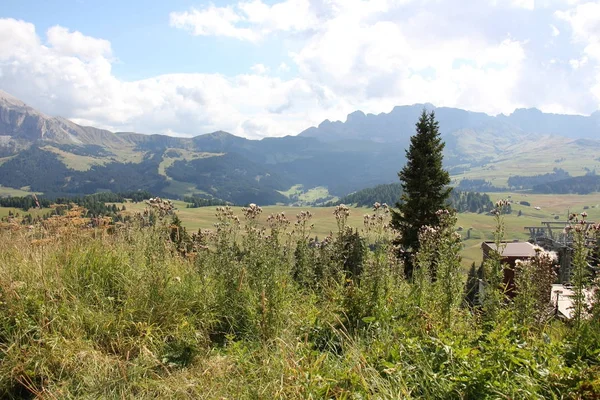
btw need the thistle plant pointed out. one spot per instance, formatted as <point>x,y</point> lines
<point>377,224</point>
<point>278,223</point>
<point>448,284</point>
<point>595,309</point>
<point>227,226</point>
<point>424,261</point>
<point>579,277</point>
<point>349,245</point>
<point>341,212</point>
<point>437,278</point>
<point>379,277</point>
<point>494,294</point>
<point>533,281</point>
<point>303,269</point>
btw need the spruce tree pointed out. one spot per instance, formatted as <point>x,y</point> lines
<point>425,187</point>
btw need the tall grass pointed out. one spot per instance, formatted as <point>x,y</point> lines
<point>250,312</point>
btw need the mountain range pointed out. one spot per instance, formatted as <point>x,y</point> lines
<point>55,156</point>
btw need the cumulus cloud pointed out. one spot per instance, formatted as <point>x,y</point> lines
<point>525,4</point>
<point>217,21</point>
<point>343,55</point>
<point>585,25</point>
<point>259,69</point>
<point>55,77</point>
<point>249,20</point>
<point>76,44</point>
<point>584,20</point>
<point>283,67</point>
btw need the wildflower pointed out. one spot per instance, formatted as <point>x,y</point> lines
<point>252,211</point>
<point>341,211</point>
<point>572,216</point>
<point>501,203</point>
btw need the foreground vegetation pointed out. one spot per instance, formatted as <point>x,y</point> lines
<point>258,310</point>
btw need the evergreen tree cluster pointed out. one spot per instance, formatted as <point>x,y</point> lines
<point>478,185</point>
<point>24,203</point>
<point>527,182</point>
<point>576,185</point>
<point>390,193</point>
<point>196,202</point>
<point>92,201</point>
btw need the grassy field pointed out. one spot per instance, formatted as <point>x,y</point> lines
<point>33,211</point>
<point>307,196</point>
<point>482,225</point>
<point>179,155</point>
<point>77,162</point>
<point>8,191</point>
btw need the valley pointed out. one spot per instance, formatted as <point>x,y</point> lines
<point>56,157</point>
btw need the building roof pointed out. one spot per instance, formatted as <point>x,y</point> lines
<point>513,249</point>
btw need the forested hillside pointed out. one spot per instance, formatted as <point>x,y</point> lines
<point>528,182</point>
<point>579,185</point>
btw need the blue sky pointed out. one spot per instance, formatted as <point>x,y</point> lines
<point>141,37</point>
<point>269,68</point>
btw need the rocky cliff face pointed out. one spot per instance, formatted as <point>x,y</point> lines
<point>20,123</point>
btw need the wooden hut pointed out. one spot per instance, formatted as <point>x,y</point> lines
<point>511,252</point>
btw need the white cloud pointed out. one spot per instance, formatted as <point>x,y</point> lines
<point>77,44</point>
<point>259,69</point>
<point>584,20</point>
<point>249,20</point>
<point>345,55</point>
<point>283,67</point>
<point>16,37</point>
<point>576,64</point>
<point>289,15</point>
<point>84,89</point>
<point>212,21</point>
<point>526,4</point>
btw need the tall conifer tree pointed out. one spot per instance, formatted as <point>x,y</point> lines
<point>425,187</point>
